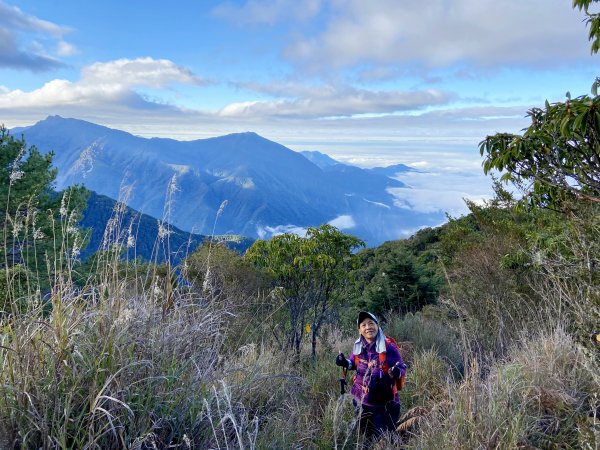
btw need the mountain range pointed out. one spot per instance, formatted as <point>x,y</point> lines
<point>240,184</point>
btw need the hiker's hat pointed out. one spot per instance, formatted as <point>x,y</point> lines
<point>366,315</point>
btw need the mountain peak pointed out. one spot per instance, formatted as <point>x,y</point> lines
<point>245,136</point>
<point>54,119</point>
<point>319,159</point>
<point>59,121</point>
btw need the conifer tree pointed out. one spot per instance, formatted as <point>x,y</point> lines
<point>39,226</point>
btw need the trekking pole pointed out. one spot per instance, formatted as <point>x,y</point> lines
<point>343,381</point>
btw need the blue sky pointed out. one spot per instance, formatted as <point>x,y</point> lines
<point>368,82</point>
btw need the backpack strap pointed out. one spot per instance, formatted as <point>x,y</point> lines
<point>397,385</point>
<point>383,356</point>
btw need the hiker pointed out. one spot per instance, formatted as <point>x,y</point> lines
<point>378,365</point>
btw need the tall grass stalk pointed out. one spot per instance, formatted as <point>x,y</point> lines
<point>538,397</point>
<point>98,363</point>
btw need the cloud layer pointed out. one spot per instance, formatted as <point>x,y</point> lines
<point>30,43</point>
<point>439,33</point>
<point>442,190</point>
<point>264,12</point>
<point>109,84</point>
<point>331,101</point>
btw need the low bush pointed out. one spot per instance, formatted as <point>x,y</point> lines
<point>428,333</point>
<point>105,373</point>
<point>540,396</point>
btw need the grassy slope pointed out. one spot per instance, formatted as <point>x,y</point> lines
<point>133,360</point>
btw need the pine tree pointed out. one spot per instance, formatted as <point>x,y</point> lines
<point>39,226</point>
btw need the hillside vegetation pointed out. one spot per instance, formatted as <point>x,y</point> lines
<point>229,351</point>
<point>499,311</point>
<point>140,230</point>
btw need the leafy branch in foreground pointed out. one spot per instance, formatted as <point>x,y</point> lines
<point>556,158</point>
<point>593,20</point>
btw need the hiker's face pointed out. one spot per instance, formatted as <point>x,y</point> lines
<point>368,329</point>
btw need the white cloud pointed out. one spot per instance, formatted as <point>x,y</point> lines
<point>147,72</point>
<point>267,232</point>
<point>109,83</point>
<point>344,222</point>
<point>13,17</point>
<point>419,164</point>
<point>430,200</point>
<point>65,49</point>
<point>438,33</point>
<point>14,57</point>
<point>268,12</point>
<point>24,38</point>
<point>338,102</point>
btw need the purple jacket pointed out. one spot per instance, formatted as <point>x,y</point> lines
<point>371,385</point>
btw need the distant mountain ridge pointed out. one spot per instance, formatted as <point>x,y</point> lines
<point>139,233</point>
<point>319,159</point>
<point>268,187</point>
<point>327,163</point>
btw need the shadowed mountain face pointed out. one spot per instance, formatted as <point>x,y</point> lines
<point>143,232</point>
<point>268,187</point>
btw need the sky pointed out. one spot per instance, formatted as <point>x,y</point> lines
<point>370,83</point>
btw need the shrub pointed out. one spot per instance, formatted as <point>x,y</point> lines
<point>538,397</point>
<point>428,333</point>
<point>105,372</point>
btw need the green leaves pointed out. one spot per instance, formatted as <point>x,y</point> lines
<point>323,250</point>
<point>309,272</point>
<point>39,226</point>
<point>595,86</point>
<point>593,20</point>
<point>556,157</point>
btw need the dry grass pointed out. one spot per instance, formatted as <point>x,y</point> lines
<point>100,375</point>
<point>540,396</point>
